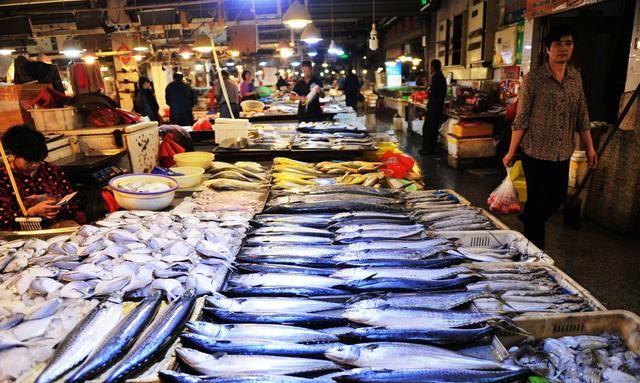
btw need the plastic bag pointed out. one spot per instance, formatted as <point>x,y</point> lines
<point>504,199</point>
<point>396,165</point>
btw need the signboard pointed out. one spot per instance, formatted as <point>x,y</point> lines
<point>394,74</point>
<point>537,8</point>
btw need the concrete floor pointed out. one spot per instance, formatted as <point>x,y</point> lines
<point>605,263</point>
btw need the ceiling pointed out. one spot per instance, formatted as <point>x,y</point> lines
<point>347,21</point>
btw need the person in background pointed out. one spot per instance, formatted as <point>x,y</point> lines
<point>232,93</point>
<point>281,83</point>
<point>181,100</point>
<point>551,108</point>
<point>144,100</point>
<point>247,88</point>
<point>352,89</point>
<point>41,184</point>
<point>437,93</point>
<point>308,86</point>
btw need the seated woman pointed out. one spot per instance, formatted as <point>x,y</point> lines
<point>41,184</point>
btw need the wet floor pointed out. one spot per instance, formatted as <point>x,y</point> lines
<point>605,263</point>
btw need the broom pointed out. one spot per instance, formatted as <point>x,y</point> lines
<point>26,223</point>
<point>573,204</point>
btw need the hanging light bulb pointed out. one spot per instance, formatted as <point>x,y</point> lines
<point>262,63</point>
<point>202,44</point>
<point>312,54</point>
<point>295,63</point>
<point>235,53</point>
<point>373,38</point>
<point>139,45</point>
<point>71,48</point>
<point>334,49</point>
<point>185,52</point>
<point>89,57</point>
<point>297,16</point>
<point>138,57</point>
<point>311,35</point>
<point>285,53</point>
<point>325,65</point>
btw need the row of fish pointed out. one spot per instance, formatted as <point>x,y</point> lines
<point>580,359</point>
<point>243,175</point>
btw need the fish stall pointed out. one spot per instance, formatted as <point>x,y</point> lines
<point>331,271</point>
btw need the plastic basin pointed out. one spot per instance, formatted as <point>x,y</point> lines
<point>143,200</point>
<point>192,176</point>
<point>194,159</point>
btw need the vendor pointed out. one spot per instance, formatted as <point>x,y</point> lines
<point>41,184</point>
<point>310,87</point>
<point>226,110</point>
<point>247,88</point>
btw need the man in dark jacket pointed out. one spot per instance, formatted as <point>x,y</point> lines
<point>437,93</point>
<point>181,99</point>
<point>351,90</point>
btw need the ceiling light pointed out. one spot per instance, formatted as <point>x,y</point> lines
<point>198,67</point>
<point>89,57</point>
<point>321,74</point>
<point>364,71</point>
<point>295,63</point>
<point>342,72</point>
<point>185,52</point>
<point>6,51</point>
<point>311,35</point>
<point>373,38</point>
<point>297,16</point>
<point>325,65</point>
<point>286,53</point>
<point>71,48</point>
<point>364,57</point>
<point>259,73</point>
<point>297,73</point>
<point>262,63</point>
<point>414,68</point>
<point>380,69</point>
<point>312,54</point>
<point>334,49</point>
<point>416,61</point>
<point>138,57</point>
<point>202,44</point>
<point>333,72</point>
<point>326,71</point>
<point>104,68</point>
<point>235,53</point>
<point>229,63</point>
<point>139,45</point>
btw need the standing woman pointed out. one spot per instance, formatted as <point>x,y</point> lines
<point>247,89</point>
<point>41,184</point>
<point>551,109</point>
<point>144,101</point>
<point>232,92</point>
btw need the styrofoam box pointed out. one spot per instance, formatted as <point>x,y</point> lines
<point>54,119</point>
<point>494,238</point>
<point>471,147</point>
<point>229,128</point>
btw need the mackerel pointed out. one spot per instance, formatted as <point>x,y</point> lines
<point>395,253</point>
<point>436,336</point>
<point>378,226</point>
<point>347,216</point>
<point>253,346</point>
<point>409,273</point>
<point>169,376</point>
<point>300,319</point>
<point>438,375</point>
<point>264,304</point>
<point>260,268</point>
<point>309,261</point>
<point>155,339</point>
<point>275,332</point>
<point>281,229</point>
<point>407,284</point>
<point>332,207</point>
<point>368,235</point>
<point>119,340</point>
<point>399,244</point>
<point>284,239</point>
<point>404,263</point>
<point>406,355</point>
<point>300,250</point>
<point>79,343</point>
<point>432,300</point>
<point>341,188</point>
<point>283,280</point>
<point>418,318</point>
<point>228,365</point>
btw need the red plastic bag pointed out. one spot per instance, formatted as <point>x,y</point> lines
<point>397,165</point>
<point>202,125</point>
<point>169,148</point>
<point>504,199</point>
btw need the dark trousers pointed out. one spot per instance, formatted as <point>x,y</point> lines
<point>546,191</point>
<point>430,130</point>
<point>226,113</point>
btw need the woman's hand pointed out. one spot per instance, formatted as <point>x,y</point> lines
<point>592,157</point>
<point>45,209</point>
<point>507,161</point>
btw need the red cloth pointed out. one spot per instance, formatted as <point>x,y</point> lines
<point>47,98</point>
<point>168,149</point>
<point>86,78</point>
<point>104,117</point>
<point>397,165</point>
<point>48,179</point>
<point>110,203</point>
<point>512,111</point>
<point>202,125</point>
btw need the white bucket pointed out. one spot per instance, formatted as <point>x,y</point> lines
<point>577,168</point>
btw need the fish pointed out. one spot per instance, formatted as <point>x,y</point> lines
<point>309,261</point>
<point>292,229</point>
<point>254,346</point>
<point>79,343</point>
<point>397,244</point>
<point>403,263</point>
<point>308,220</point>
<point>332,207</point>
<point>405,284</point>
<point>157,336</point>
<point>118,341</point>
<point>283,280</point>
<point>368,235</point>
<point>378,375</point>
<point>231,184</point>
<point>294,250</point>
<point>295,319</point>
<point>435,336</point>
<point>351,228</point>
<point>284,291</point>
<point>169,376</point>
<point>259,268</point>
<point>391,272</point>
<point>284,239</point>
<point>427,300</point>
<point>223,365</point>
<point>341,188</point>
<point>418,318</point>
<point>8,342</point>
<point>400,355</point>
<point>236,175</point>
<point>275,304</point>
<point>11,321</point>
<point>275,332</point>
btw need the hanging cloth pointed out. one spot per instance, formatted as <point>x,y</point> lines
<point>168,149</point>
<point>85,78</point>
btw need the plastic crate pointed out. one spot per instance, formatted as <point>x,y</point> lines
<point>564,280</point>
<point>470,147</point>
<point>54,119</point>
<point>621,322</point>
<point>229,128</point>
<point>494,238</point>
<point>468,129</point>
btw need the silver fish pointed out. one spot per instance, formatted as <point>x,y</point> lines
<point>274,332</point>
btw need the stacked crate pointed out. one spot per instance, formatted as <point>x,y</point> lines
<point>469,140</point>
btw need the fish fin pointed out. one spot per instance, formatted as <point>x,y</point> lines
<point>218,355</point>
<point>370,277</point>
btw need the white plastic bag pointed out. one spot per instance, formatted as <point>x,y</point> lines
<point>504,199</point>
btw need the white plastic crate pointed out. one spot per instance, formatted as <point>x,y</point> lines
<point>229,128</point>
<point>495,238</point>
<point>471,147</point>
<point>54,119</point>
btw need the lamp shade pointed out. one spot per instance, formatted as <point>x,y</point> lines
<point>71,47</point>
<point>297,16</point>
<point>202,44</point>
<point>311,34</point>
<point>334,49</point>
<point>139,45</point>
<point>373,38</point>
<point>185,51</point>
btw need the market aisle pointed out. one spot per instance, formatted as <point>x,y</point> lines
<point>605,263</point>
